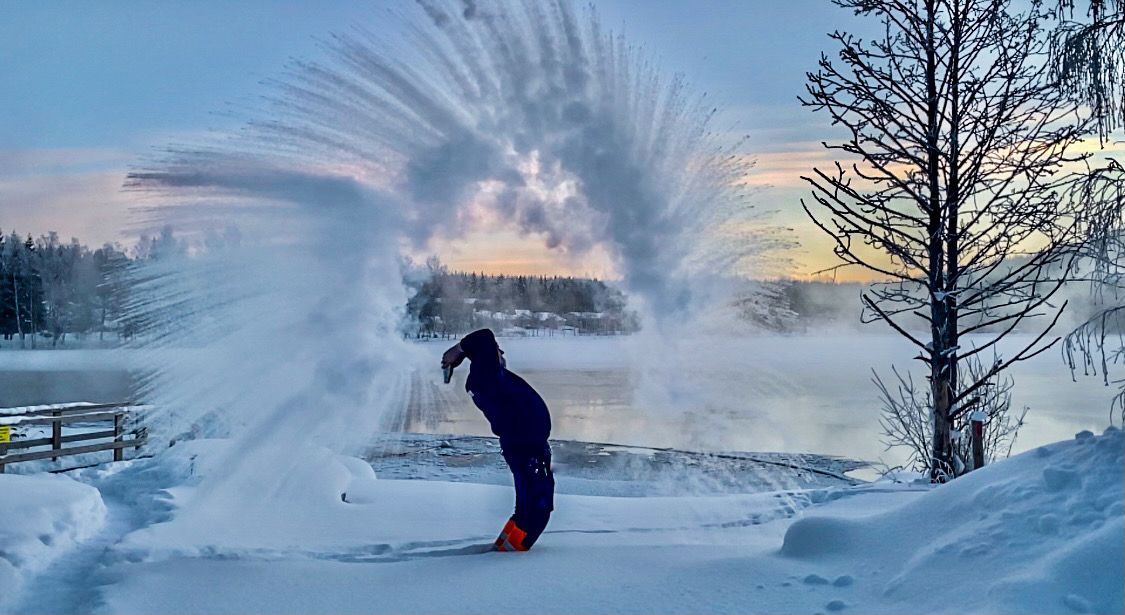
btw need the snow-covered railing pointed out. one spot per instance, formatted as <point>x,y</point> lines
<point>31,418</point>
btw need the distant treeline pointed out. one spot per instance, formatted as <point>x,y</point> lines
<point>50,289</point>
<point>449,303</point>
<point>827,305</point>
<point>817,303</point>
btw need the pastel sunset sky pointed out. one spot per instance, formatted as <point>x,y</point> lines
<point>89,88</point>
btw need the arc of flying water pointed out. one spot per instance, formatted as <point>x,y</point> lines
<point>523,108</point>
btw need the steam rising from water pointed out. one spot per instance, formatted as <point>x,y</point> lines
<point>526,110</point>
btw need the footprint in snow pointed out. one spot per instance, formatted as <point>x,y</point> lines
<point>841,581</point>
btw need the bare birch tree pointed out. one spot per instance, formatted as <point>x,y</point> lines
<point>1098,344</point>
<point>1088,63</point>
<point>954,155</point>
<point>1088,58</point>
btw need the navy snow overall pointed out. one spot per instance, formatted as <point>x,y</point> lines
<point>519,417</point>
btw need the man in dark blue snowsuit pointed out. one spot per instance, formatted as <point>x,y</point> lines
<point>519,417</point>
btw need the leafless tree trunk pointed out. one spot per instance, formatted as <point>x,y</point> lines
<point>16,301</point>
<point>958,146</point>
<point>907,419</point>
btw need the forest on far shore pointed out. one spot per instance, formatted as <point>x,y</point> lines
<point>450,303</point>
<point>53,291</point>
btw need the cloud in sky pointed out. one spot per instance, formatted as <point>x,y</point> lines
<point>509,251</point>
<point>784,168</point>
<point>76,192</point>
<point>103,76</point>
<point>22,162</point>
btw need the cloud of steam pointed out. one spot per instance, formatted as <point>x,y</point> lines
<point>524,108</point>
<point>566,129</point>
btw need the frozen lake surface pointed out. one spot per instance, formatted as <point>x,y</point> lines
<point>765,393</point>
<point>795,394</point>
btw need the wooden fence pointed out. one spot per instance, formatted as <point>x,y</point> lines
<point>13,420</point>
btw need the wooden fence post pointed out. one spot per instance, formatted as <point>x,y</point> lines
<point>118,453</point>
<point>56,434</point>
<point>5,436</point>
<point>977,419</point>
<point>52,443</point>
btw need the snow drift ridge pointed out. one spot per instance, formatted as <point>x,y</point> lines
<point>1041,532</point>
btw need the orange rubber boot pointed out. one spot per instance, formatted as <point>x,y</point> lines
<point>511,537</point>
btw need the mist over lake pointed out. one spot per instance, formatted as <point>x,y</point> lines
<point>781,393</point>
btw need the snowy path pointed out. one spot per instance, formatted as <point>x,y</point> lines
<point>786,506</point>
<point>65,586</point>
<point>133,498</point>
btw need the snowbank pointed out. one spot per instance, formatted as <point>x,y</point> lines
<point>41,517</point>
<point>1042,532</point>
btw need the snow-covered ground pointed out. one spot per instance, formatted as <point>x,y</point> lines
<point>1039,533</point>
<point>42,518</point>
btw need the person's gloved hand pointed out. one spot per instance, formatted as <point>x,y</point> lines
<point>452,357</point>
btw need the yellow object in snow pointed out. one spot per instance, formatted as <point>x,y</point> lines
<point>5,433</point>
